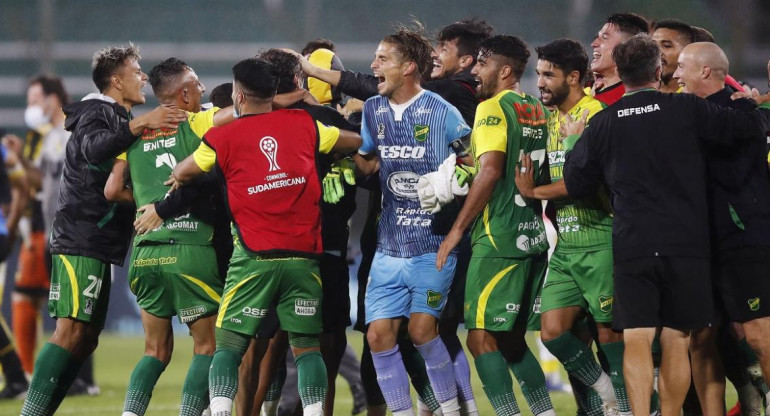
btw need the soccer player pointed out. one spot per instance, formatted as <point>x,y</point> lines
<point>88,232</point>
<point>740,226</point>
<point>579,278</point>
<point>647,148</point>
<point>618,28</point>
<point>269,161</point>
<point>13,195</point>
<point>173,267</point>
<point>407,132</point>
<point>509,246</point>
<point>671,35</point>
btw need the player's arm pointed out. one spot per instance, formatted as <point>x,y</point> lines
<point>724,125</point>
<point>115,189</point>
<point>366,160</point>
<point>335,139</point>
<point>582,174</point>
<point>19,192</point>
<point>525,183</point>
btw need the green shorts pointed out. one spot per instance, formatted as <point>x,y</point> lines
<point>498,290</point>
<point>175,279</point>
<point>257,284</point>
<point>580,279</point>
<point>80,289</point>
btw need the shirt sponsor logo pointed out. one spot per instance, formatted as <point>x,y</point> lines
<point>405,217</point>
<point>556,158</point>
<point>421,132</point>
<point>160,144</point>
<point>422,110</point>
<point>529,114</point>
<point>381,110</point>
<point>536,305</point>
<point>489,121</point>
<point>524,243</point>
<point>160,261</point>
<point>165,159</point>
<point>191,314</point>
<point>403,184</point>
<point>269,147</point>
<point>54,293</point>
<point>305,307</point>
<point>512,307</point>
<point>276,185</point>
<point>250,312</point>
<point>401,152</point>
<point>89,309</point>
<point>633,111</point>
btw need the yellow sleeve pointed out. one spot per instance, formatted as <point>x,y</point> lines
<point>122,156</point>
<point>490,129</point>
<point>327,137</point>
<point>202,121</point>
<point>205,157</point>
<point>594,107</point>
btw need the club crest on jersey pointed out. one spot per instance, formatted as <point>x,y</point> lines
<point>754,304</point>
<point>381,131</point>
<point>269,147</point>
<point>605,303</point>
<point>421,132</point>
<point>434,299</point>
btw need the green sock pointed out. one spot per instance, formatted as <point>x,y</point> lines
<point>497,383</point>
<point>143,379</point>
<point>223,374</point>
<point>415,367</point>
<point>65,382</point>
<point>614,353</point>
<point>274,390</point>
<point>589,400</point>
<point>195,392</point>
<point>576,358</point>
<point>311,378</point>
<point>50,365</point>
<point>532,381</point>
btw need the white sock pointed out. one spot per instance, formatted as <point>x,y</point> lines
<point>603,387</point>
<point>129,414</point>
<point>408,412</point>
<point>314,409</point>
<point>269,408</point>
<point>423,409</point>
<point>450,408</point>
<point>206,412</point>
<point>221,406</point>
<point>767,400</point>
<point>549,412</point>
<point>469,408</point>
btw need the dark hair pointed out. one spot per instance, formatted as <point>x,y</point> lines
<point>700,34</point>
<point>319,43</point>
<point>637,60</point>
<point>164,73</point>
<point>51,85</point>
<point>285,66</point>
<point>256,77</point>
<point>629,23</point>
<point>509,47</point>
<point>566,54</point>
<point>468,34</point>
<point>413,46</point>
<point>677,25</point>
<point>222,95</point>
<point>107,61</point>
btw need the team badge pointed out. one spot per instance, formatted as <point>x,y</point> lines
<point>754,304</point>
<point>381,131</point>
<point>421,132</point>
<point>269,147</point>
<point>536,305</point>
<point>434,299</point>
<point>605,303</point>
<point>89,309</point>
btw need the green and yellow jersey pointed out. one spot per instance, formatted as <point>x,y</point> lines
<point>585,223</point>
<point>151,159</point>
<point>509,226</point>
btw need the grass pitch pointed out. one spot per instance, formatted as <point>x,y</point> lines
<point>117,355</point>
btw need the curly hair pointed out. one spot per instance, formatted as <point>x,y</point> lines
<point>509,47</point>
<point>285,67</point>
<point>106,62</point>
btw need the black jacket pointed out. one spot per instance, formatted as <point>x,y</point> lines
<point>739,186</point>
<point>86,224</point>
<point>649,149</point>
<point>459,90</point>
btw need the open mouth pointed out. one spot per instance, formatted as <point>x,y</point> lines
<point>381,80</point>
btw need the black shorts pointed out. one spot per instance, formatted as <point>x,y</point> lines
<point>335,306</point>
<point>673,292</point>
<point>742,281</point>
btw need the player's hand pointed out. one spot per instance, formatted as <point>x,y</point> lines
<point>164,117</point>
<point>334,189</point>
<point>351,106</point>
<point>597,85</point>
<point>464,174</point>
<point>148,221</point>
<point>13,143</point>
<point>571,127</point>
<point>173,183</point>
<point>753,95</point>
<point>525,177</point>
<point>450,242</point>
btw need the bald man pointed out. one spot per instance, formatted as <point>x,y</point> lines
<point>739,183</point>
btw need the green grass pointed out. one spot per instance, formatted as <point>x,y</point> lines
<point>116,356</point>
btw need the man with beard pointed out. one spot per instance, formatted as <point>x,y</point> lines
<point>672,36</point>
<point>88,232</point>
<point>508,242</point>
<point>619,27</point>
<point>579,278</point>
